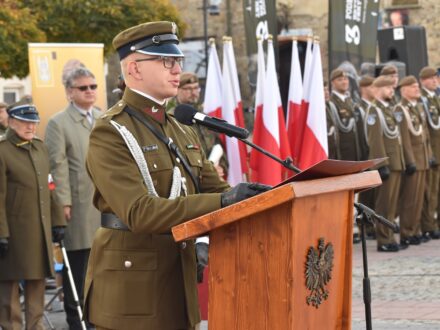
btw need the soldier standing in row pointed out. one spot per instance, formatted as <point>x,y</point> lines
<point>431,105</point>
<point>189,93</point>
<point>391,72</point>
<point>348,121</point>
<point>149,177</point>
<point>29,220</point>
<point>417,153</point>
<point>367,91</point>
<point>3,118</point>
<point>332,131</point>
<point>384,140</point>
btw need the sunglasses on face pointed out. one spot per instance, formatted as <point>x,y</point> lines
<point>83,88</point>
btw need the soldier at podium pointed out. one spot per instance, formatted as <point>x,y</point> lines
<point>384,140</point>
<point>431,106</point>
<point>418,157</point>
<point>150,174</point>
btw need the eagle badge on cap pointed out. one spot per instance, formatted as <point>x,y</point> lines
<point>173,27</point>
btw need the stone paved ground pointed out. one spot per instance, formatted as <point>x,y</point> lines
<point>405,289</point>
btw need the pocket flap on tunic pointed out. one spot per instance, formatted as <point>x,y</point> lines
<point>130,260</point>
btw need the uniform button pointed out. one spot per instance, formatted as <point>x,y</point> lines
<point>38,173</point>
<point>127,264</point>
<point>178,160</point>
<point>198,161</point>
<point>154,165</point>
<point>183,245</point>
<point>41,188</point>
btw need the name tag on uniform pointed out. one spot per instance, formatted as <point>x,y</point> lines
<point>152,147</point>
<point>192,147</point>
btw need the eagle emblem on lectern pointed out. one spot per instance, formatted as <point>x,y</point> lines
<point>318,272</point>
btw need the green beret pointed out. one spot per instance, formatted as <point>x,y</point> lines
<point>408,80</point>
<point>188,78</point>
<point>383,81</point>
<point>336,73</point>
<point>427,72</point>
<point>153,38</point>
<point>366,81</point>
<point>388,69</point>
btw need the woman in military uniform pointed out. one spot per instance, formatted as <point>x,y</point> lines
<point>27,215</point>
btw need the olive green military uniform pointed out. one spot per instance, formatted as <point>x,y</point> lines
<point>141,278</point>
<point>27,214</point>
<point>2,130</point>
<point>431,105</point>
<point>332,134</point>
<point>348,121</point>
<point>384,141</point>
<point>207,137</point>
<point>416,151</point>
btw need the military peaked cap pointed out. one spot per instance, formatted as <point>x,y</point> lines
<point>153,38</point>
<point>24,112</point>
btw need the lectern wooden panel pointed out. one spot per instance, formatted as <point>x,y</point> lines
<point>258,250</point>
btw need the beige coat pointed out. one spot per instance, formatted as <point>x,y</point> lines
<point>27,211</point>
<point>67,139</point>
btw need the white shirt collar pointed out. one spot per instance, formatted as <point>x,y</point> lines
<point>341,96</point>
<point>430,93</point>
<point>149,97</point>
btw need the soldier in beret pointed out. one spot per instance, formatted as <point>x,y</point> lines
<point>29,219</point>
<point>349,121</point>
<point>149,176</point>
<point>391,71</point>
<point>189,93</point>
<point>384,140</point>
<point>3,118</point>
<point>367,98</point>
<point>332,131</point>
<point>418,158</point>
<point>431,105</point>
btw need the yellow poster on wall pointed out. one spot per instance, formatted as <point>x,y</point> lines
<point>49,62</point>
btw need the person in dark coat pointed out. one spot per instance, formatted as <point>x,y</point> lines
<point>29,219</point>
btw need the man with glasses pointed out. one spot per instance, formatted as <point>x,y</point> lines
<point>67,138</point>
<point>150,174</point>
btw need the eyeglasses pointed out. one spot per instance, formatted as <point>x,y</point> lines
<point>191,89</point>
<point>85,87</point>
<point>168,62</point>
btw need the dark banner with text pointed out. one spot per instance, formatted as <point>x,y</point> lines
<point>260,20</point>
<point>352,31</point>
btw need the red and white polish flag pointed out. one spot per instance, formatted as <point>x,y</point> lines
<point>212,104</point>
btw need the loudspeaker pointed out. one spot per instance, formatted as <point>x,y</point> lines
<point>405,44</point>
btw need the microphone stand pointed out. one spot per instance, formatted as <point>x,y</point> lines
<point>366,215</point>
<point>287,163</point>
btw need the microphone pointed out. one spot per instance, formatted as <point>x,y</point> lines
<point>187,115</point>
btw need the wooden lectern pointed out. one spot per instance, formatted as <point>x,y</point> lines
<point>259,249</point>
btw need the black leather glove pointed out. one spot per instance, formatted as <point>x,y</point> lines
<point>57,234</point>
<point>202,251</point>
<point>242,191</point>
<point>410,169</point>
<point>4,246</point>
<point>433,163</point>
<point>384,172</point>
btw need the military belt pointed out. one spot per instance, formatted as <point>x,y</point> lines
<point>111,221</point>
